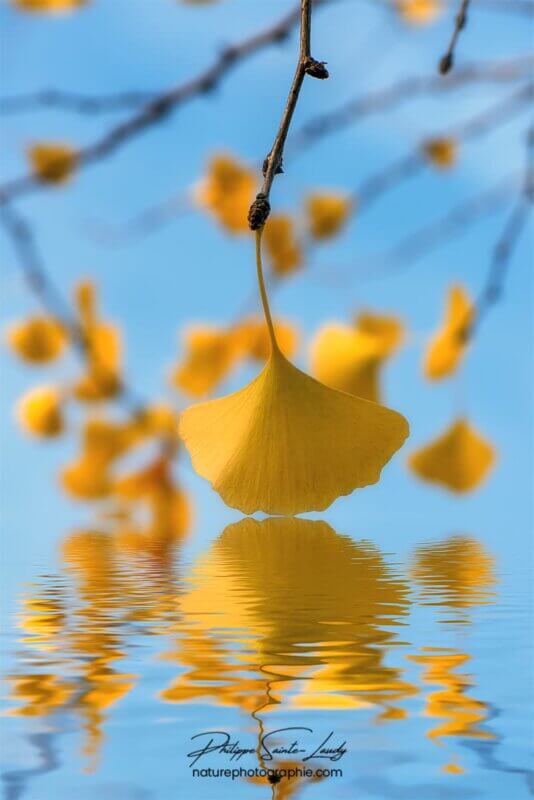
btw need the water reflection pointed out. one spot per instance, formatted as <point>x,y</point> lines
<point>288,611</point>
<point>454,576</point>
<point>278,614</point>
<point>77,628</point>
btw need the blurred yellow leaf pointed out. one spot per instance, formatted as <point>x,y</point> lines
<point>252,338</point>
<point>447,347</point>
<point>210,355</point>
<point>460,459</point>
<point>419,12</point>
<point>39,412</point>
<point>86,478</point>
<point>327,212</point>
<point>281,244</point>
<point>103,441</point>
<point>350,358</point>
<point>102,378</point>
<point>227,192</point>
<point>52,163</point>
<point>441,152</point>
<point>37,340</point>
<point>48,6</point>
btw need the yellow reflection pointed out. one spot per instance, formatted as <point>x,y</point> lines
<point>456,573</point>
<point>453,575</point>
<point>78,639</point>
<point>287,611</point>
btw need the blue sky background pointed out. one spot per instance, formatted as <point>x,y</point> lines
<point>191,271</point>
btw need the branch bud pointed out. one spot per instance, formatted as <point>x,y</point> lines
<point>316,69</point>
<point>258,212</point>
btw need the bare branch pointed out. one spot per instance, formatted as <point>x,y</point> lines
<point>447,60</point>
<point>75,102</point>
<point>406,89</point>
<point>306,65</point>
<point>506,243</point>
<point>42,286</point>
<point>375,186</point>
<point>160,107</point>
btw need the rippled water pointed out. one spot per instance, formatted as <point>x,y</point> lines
<point>417,661</point>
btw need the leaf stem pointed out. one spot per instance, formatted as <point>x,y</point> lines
<point>263,294</point>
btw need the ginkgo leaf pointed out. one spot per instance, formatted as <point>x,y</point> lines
<point>460,459</point>
<point>227,192</point>
<point>419,12</point>
<point>286,443</point>
<point>327,212</point>
<point>351,358</point>
<point>210,355</point>
<point>52,163</point>
<point>37,340</point>
<point>447,347</point>
<point>40,413</point>
<point>253,340</point>
<point>49,6</point>
<point>103,349</point>
<point>281,244</point>
<point>441,152</point>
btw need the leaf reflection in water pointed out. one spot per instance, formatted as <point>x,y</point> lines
<point>452,576</point>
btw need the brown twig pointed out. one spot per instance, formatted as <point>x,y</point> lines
<point>306,65</point>
<point>160,107</point>
<point>446,62</point>
<point>406,89</point>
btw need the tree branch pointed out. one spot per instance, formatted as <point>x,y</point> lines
<point>306,65</point>
<point>159,107</point>
<point>406,89</point>
<point>42,286</point>
<point>506,243</point>
<point>447,60</point>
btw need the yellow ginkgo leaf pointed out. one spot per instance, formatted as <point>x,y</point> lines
<point>103,348</point>
<point>253,341</point>
<point>459,459</point>
<point>37,340</point>
<point>86,479</point>
<point>227,192</point>
<point>327,212</point>
<point>385,329</point>
<point>441,152</point>
<point>52,163</point>
<point>49,6</point>
<point>419,12</point>
<point>39,412</point>
<point>210,355</point>
<point>448,345</point>
<point>350,358</point>
<point>285,443</point>
<point>281,244</point>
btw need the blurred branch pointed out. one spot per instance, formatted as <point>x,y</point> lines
<point>447,60</point>
<point>404,90</point>
<point>506,243</point>
<point>73,101</point>
<point>159,107</point>
<point>30,264</point>
<point>420,243</point>
<point>407,166</point>
<point>306,65</point>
